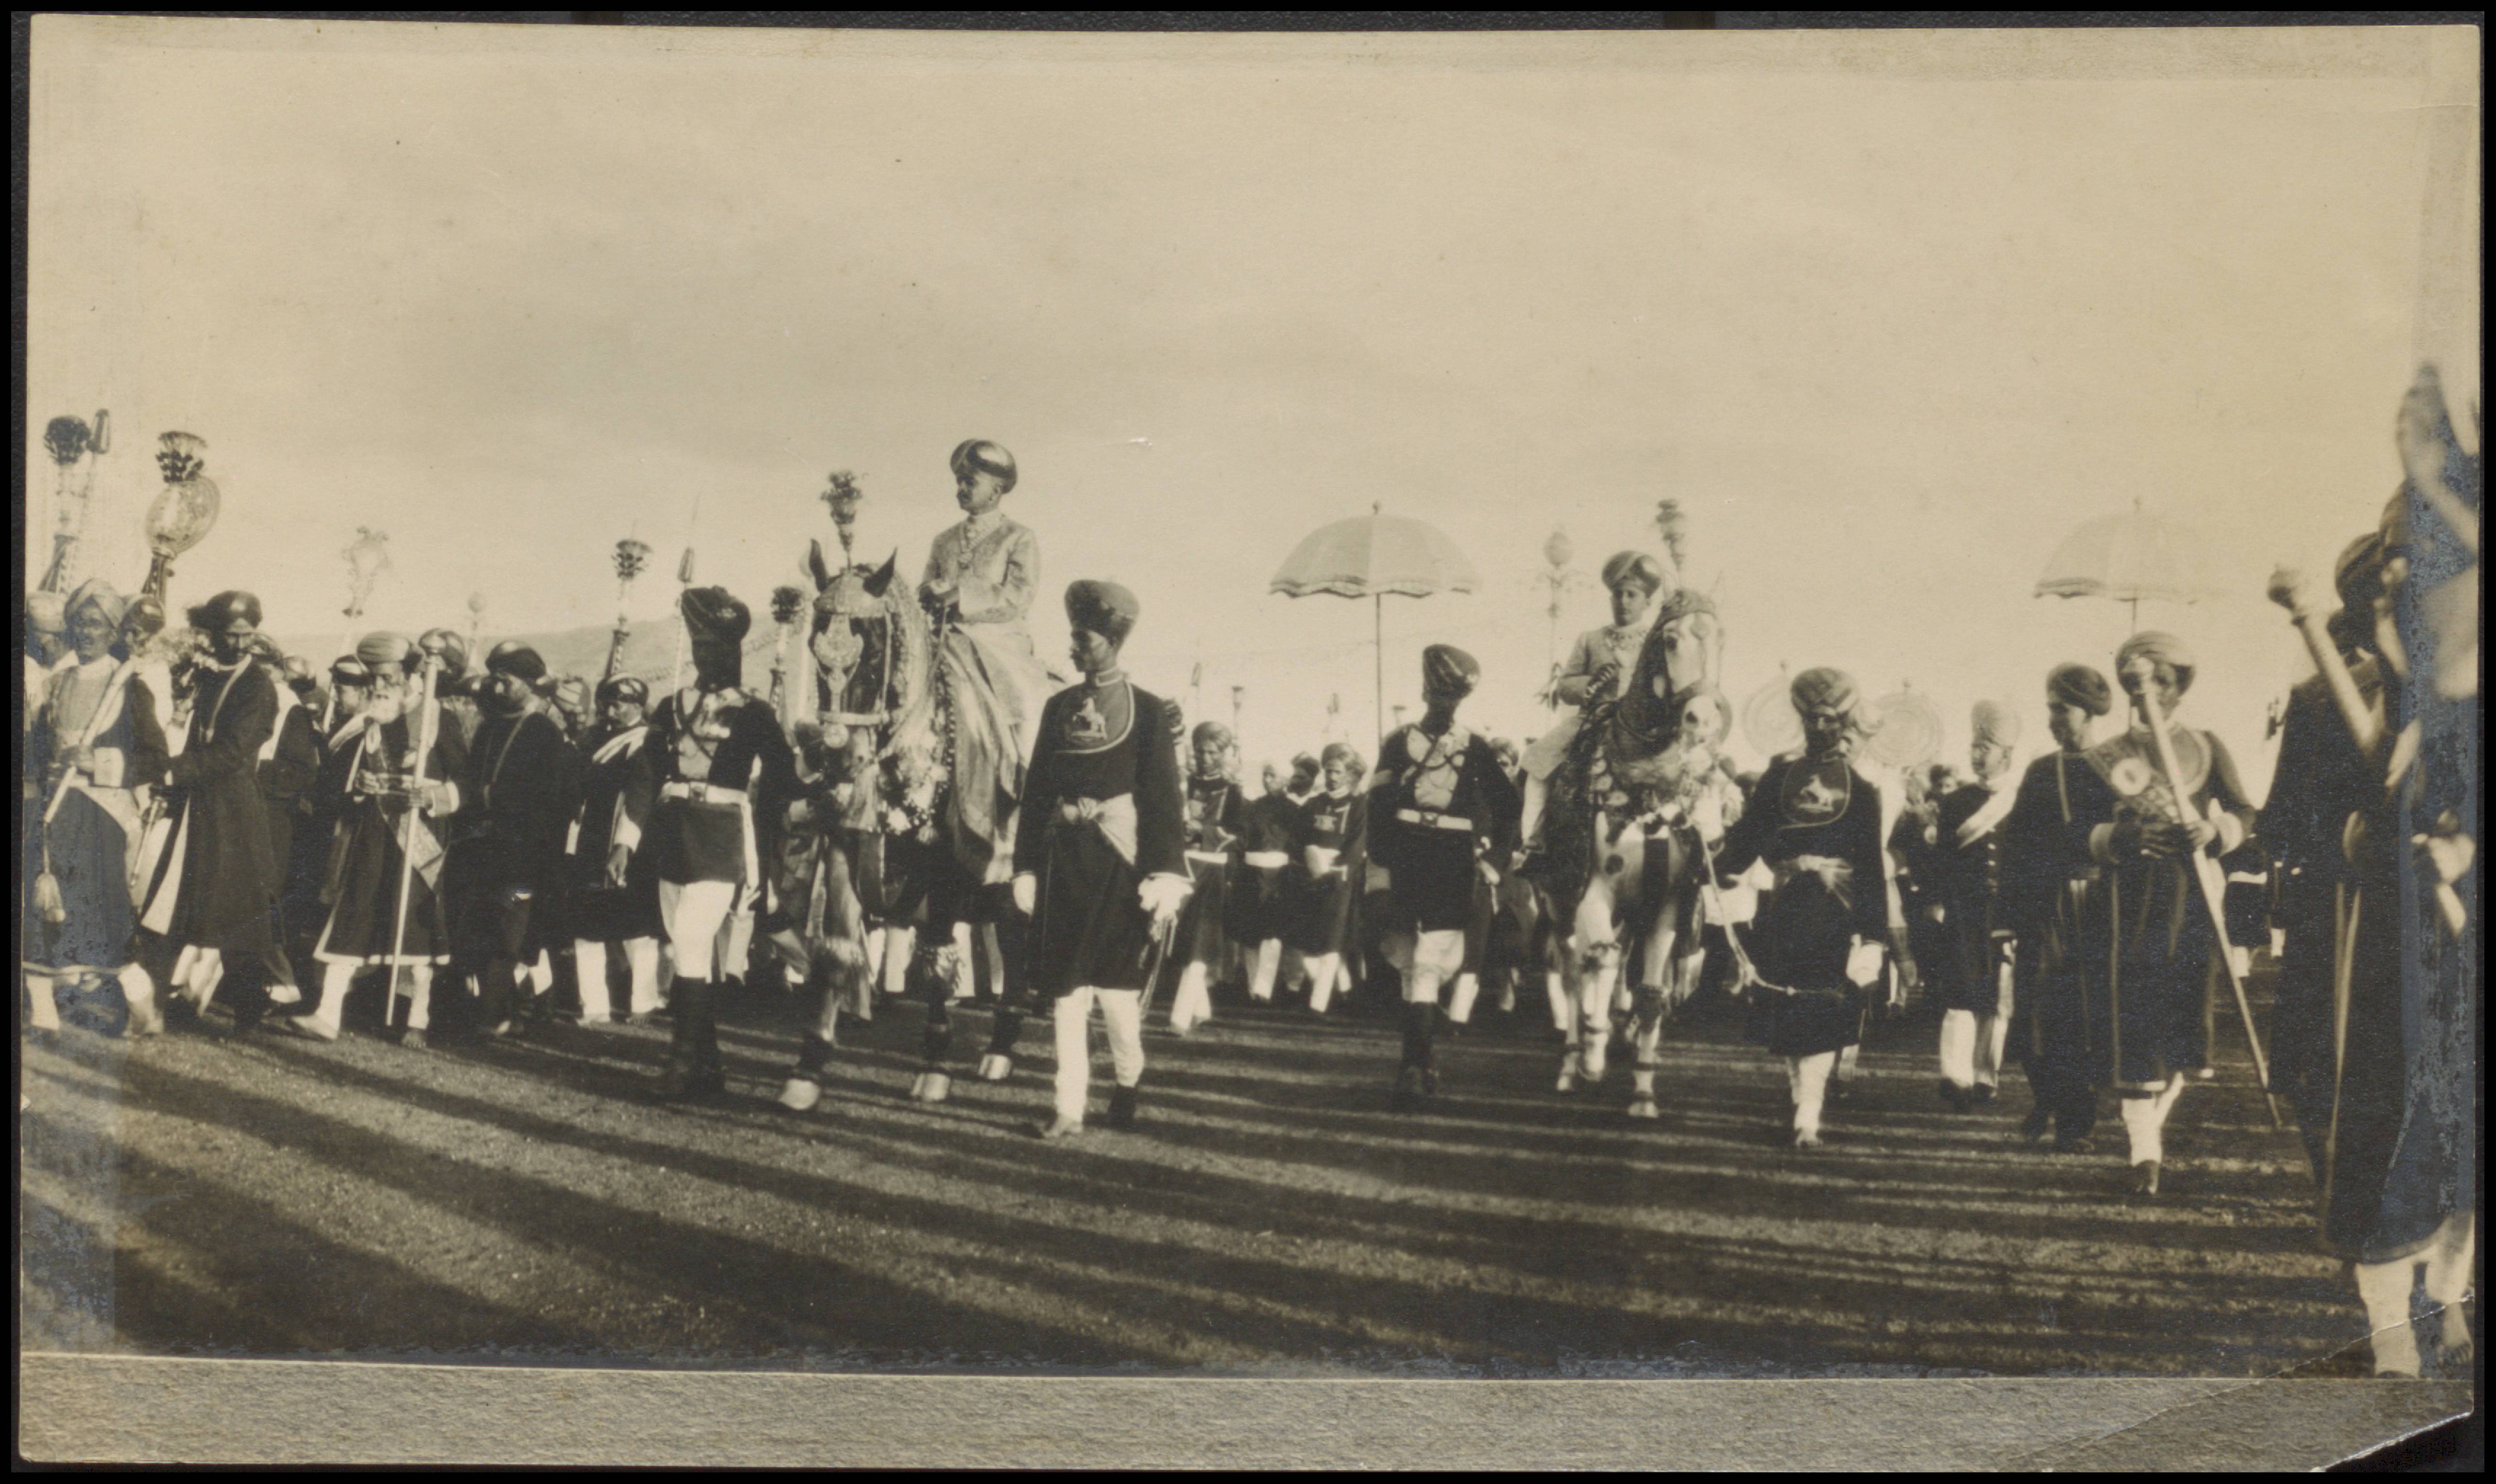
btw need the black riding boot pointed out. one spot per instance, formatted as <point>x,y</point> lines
<point>1122,1108</point>
<point>693,1051</point>
<point>1412,1075</point>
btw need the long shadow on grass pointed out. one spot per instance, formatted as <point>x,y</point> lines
<point>1547,1251</point>
<point>791,1302</point>
<point>1348,1305</point>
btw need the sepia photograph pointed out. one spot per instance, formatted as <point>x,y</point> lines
<point>956,747</point>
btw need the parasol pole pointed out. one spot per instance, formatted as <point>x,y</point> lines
<point>2206,873</point>
<point>1378,656</point>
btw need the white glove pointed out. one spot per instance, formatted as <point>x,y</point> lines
<point>1864,964</point>
<point>1162,896</point>
<point>1026,893</point>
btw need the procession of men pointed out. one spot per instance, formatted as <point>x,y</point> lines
<point>208,825</point>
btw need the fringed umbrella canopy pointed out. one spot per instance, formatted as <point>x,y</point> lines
<point>1370,556</point>
<point>1374,554</point>
<point>2130,558</point>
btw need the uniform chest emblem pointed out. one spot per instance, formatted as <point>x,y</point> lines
<point>1087,727</point>
<point>1816,793</point>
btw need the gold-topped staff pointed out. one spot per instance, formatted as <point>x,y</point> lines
<point>70,440</point>
<point>421,728</point>
<point>630,557</point>
<point>786,603</point>
<point>184,511</point>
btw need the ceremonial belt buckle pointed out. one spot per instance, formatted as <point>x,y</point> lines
<point>1434,821</point>
<point>702,793</point>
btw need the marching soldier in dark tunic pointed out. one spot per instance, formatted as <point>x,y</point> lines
<point>725,767</point>
<point>1331,862</point>
<point>207,911</point>
<point>2314,785</point>
<point>1100,854</point>
<point>516,801</point>
<point>289,763</point>
<point>1269,829</point>
<point>1819,936</point>
<point>2150,949</point>
<point>1214,822</point>
<point>1440,814</point>
<point>610,893</point>
<point>1971,977</point>
<point>386,818</point>
<point>2053,893</point>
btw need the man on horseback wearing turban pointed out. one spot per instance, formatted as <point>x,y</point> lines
<point>982,576</point>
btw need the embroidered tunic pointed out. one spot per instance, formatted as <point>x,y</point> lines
<point>1103,810</point>
<point>2150,948</point>
<point>1817,825</point>
<point>378,828</point>
<point>90,839</point>
<point>995,678</point>
<point>1439,804</point>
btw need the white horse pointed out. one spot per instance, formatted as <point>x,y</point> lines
<point>1635,809</point>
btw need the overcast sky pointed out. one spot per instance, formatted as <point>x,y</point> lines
<point>1887,337</point>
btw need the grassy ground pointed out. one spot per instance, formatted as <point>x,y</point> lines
<point>263,1195</point>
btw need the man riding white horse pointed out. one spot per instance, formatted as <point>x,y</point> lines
<point>1634,804</point>
<point>927,714</point>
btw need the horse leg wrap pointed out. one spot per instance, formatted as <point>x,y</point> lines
<point>1643,1103</point>
<point>997,1063</point>
<point>936,1046</point>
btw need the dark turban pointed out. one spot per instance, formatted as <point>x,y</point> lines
<point>1994,723</point>
<point>382,648</point>
<point>1210,732</point>
<point>2158,647</point>
<point>298,674</point>
<point>2083,686</point>
<point>218,614</point>
<point>145,615</point>
<point>1638,566</point>
<point>515,658</point>
<point>979,453</point>
<point>624,688</point>
<point>348,670</point>
<point>1105,609</point>
<point>2358,574</point>
<point>714,615</point>
<point>1823,688</point>
<point>448,643</point>
<point>1448,670</point>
